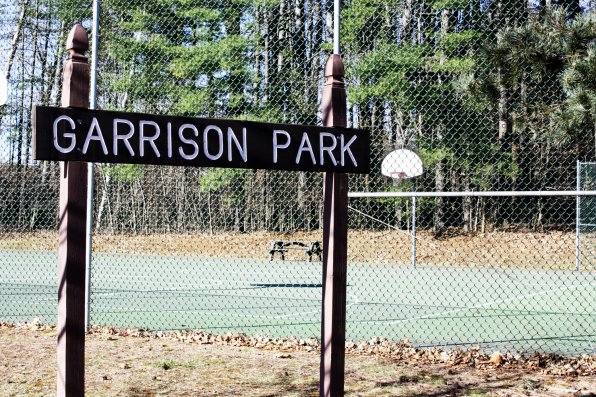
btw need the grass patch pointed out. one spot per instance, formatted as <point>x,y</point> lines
<point>531,384</point>
<point>214,361</point>
<point>409,379</point>
<point>476,393</point>
<point>171,364</point>
<point>437,380</point>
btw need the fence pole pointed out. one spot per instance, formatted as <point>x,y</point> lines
<point>71,251</point>
<point>335,243</point>
<point>90,168</point>
<point>577,215</point>
<point>414,248</point>
<point>336,26</point>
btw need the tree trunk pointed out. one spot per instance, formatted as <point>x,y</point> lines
<point>15,39</point>
<point>439,215</point>
<point>35,27</point>
<point>181,200</point>
<point>499,209</point>
<point>56,84</point>
<point>503,112</point>
<point>103,201</point>
<point>21,120</point>
<point>468,207</point>
<point>13,47</point>
<point>47,70</point>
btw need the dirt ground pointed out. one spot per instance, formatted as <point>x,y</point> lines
<point>136,363</point>
<point>519,250</point>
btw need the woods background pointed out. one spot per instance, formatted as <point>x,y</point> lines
<point>491,95</point>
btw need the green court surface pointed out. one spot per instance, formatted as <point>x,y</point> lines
<point>505,309</point>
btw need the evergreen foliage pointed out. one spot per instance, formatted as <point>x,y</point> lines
<point>492,95</point>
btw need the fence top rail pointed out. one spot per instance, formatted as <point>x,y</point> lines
<point>533,193</point>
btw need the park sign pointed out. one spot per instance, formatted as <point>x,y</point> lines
<point>77,134</point>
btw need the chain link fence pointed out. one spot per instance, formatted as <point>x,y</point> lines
<point>492,96</point>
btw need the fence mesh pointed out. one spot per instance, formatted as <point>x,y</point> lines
<point>492,96</point>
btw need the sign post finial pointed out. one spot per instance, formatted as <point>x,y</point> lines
<point>77,42</point>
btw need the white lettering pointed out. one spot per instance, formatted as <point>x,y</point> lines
<point>276,145</point>
<point>241,149</point>
<point>346,148</point>
<point>169,140</point>
<point>328,149</point>
<point>206,142</point>
<point>190,142</point>
<point>305,146</point>
<point>92,137</point>
<point>123,137</point>
<point>150,139</point>
<point>70,135</point>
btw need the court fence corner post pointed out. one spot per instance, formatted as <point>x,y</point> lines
<point>335,243</point>
<point>72,225</point>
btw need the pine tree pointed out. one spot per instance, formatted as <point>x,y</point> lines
<point>406,84</point>
<point>529,72</point>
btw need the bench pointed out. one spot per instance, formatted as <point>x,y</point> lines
<point>283,246</point>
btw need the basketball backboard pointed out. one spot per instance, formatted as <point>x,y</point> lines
<point>402,164</point>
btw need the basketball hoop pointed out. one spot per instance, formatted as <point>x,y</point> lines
<point>402,164</point>
<point>398,175</point>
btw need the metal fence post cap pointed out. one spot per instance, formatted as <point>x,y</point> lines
<point>334,66</point>
<point>78,41</point>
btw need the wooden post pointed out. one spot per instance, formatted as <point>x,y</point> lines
<point>335,243</point>
<point>71,252</point>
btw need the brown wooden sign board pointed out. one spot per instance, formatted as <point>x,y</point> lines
<point>100,136</point>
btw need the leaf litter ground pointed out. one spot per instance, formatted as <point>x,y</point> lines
<point>193,363</point>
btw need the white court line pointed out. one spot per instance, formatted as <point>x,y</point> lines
<point>182,266</point>
<point>140,287</point>
<point>219,313</point>
<point>180,291</point>
<point>224,313</point>
<point>180,263</point>
<point>230,274</point>
<point>297,314</point>
<point>34,299</point>
<point>103,294</point>
<point>497,302</point>
<point>140,278</point>
<point>31,282</point>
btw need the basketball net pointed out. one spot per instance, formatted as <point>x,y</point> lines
<point>398,176</point>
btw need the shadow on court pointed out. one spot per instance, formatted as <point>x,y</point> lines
<point>279,285</point>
